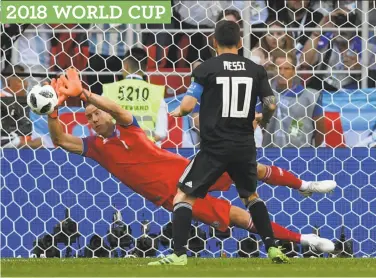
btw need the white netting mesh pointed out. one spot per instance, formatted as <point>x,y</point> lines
<point>327,120</point>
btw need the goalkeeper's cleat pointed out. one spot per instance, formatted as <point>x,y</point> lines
<point>317,244</point>
<point>172,259</point>
<point>277,256</point>
<point>319,187</point>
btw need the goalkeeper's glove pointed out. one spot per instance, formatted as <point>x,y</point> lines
<point>71,86</point>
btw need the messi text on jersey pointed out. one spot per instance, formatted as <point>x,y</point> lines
<point>233,66</point>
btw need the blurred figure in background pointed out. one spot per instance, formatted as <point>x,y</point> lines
<point>70,46</point>
<point>16,126</point>
<point>107,48</point>
<point>197,15</point>
<point>337,51</point>
<point>298,120</point>
<point>143,99</point>
<point>231,15</point>
<point>32,51</point>
<point>13,82</point>
<point>328,6</point>
<point>263,53</point>
<point>255,14</point>
<point>9,34</point>
<point>297,14</point>
<point>204,15</point>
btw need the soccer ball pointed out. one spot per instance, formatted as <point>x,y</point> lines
<point>42,100</point>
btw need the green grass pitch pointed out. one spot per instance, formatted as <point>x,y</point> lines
<point>224,267</point>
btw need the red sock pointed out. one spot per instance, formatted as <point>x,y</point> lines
<point>280,232</point>
<point>277,176</point>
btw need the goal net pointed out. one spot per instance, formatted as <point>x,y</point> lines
<point>56,204</point>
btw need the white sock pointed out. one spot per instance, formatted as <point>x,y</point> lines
<point>305,185</point>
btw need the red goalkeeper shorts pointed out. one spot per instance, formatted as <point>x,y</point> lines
<point>210,210</point>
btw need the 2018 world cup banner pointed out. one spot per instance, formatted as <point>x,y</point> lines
<point>85,12</point>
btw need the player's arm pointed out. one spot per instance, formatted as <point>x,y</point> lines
<point>60,138</point>
<point>269,103</point>
<point>193,94</point>
<point>72,86</point>
<point>186,106</point>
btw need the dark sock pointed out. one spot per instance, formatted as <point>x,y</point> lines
<point>261,220</point>
<point>181,225</point>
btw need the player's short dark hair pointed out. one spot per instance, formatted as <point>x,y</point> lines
<point>137,58</point>
<point>227,33</point>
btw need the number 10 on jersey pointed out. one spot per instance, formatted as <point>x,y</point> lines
<point>230,106</point>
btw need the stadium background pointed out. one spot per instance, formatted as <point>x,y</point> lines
<point>38,185</point>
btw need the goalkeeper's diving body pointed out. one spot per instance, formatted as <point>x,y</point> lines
<point>124,150</point>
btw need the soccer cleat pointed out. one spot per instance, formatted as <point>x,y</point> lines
<point>277,256</point>
<point>319,187</point>
<point>317,244</point>
<point>172,259</point>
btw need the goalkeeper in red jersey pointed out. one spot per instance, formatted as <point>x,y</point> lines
<point>123,149</point>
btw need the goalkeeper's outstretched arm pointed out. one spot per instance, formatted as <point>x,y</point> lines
<point>59,137</point>
<point>67,141</point>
